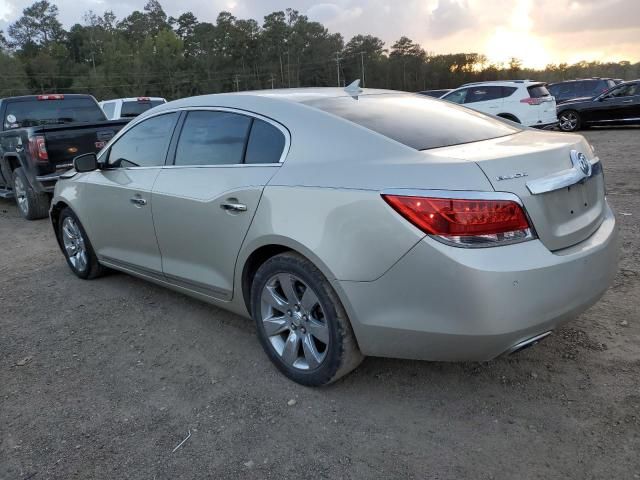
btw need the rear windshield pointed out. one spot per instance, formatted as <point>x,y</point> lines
<point>416,120</point>
<point>134,108</point>
<point>32,113</point>
<point>538,91</point>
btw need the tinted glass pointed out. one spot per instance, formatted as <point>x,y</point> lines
<point>145,145</point>
<point>212,138</point>
<point>415,120</point>
<point>109,109</point>
<point>32,113</point>
<point>564,90</point>
<point>265,144</point>
<point>135,108</point>
<point>624,91</point>
<point>538,91</point>
<point>483,94</point>
<point>508,91</point>
<point>458,96</point>
<point>590,88</point>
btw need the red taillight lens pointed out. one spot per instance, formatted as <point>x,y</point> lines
<point>51,97</point>
<point>464,222</point>
<point>532,101</point>
<point>38,148</point>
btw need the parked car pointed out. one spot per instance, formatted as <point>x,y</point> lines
<point>617,106</point>
<point>584,88</point>
<point>520,101</point>
<point>129,107</point>
<point>41,134</point>
<point>349,223</point>
<point>436,93</point>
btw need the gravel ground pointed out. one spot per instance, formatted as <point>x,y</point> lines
<point>103,379</point>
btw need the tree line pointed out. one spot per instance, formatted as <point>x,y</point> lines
<point>149,53</point>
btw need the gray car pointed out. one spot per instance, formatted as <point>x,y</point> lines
<point>349,222</point>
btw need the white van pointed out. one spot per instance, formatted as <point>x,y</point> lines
<point>129,107</point>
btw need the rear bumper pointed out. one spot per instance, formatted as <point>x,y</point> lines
<point>47,183</point>
<point>453,304</point>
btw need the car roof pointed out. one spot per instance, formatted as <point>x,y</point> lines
<point>526,83</point>
<point>581,80</point>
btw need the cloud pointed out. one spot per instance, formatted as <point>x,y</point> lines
<point>450,16</point>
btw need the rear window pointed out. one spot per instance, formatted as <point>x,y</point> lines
<point>134,108</point>
<point>32,113</point>
<point>415,120</point>
<point>538,91</point>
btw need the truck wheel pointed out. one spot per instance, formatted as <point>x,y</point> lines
<point>32,205</point>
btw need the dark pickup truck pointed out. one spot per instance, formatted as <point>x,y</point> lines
<point>41,134</point>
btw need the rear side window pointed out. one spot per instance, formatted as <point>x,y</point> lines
<point>32,113</point>
<point>266,143</point>
<point>563,90</point>
<point>415,120</point>
<point>508,91</point>
<point>145,144</point>
<point>538,91</point>
<point>109,109</point>
<point>483,94</point>
<point>134,108</point>
<point>212,138</point>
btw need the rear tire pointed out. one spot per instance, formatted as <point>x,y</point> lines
<point>76,247</point>
<point>569,121</point>
<point>301,322</point>
<point>31,204</point>
<point>508,116</point>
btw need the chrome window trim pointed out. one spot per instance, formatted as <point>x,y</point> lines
<point>563,179</point>
<point>284,130</point>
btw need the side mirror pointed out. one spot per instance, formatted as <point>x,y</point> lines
<point>85,163</point>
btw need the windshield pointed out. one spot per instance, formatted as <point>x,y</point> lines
<point>134,108</point>
<point>32,113</point>
<point>416,120</point>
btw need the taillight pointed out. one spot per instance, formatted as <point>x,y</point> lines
<point>465,222</point>
<point>38,148</point>
<point>56,96</point>
<point>533,101</point>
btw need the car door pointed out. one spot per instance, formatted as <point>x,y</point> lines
<point>117,198</point>
<point>204,203</point>
<point>485,98</point>
<point>620,104</point>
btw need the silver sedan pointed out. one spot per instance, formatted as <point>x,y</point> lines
<point>349,222</point>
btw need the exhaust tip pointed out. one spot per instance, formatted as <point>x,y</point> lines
<point>530,342</point>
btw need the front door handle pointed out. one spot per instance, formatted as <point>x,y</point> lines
<point>138,202</point>
<point>233,206</point>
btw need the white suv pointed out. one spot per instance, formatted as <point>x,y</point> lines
<point>129,107</point>
<point>521,101</point>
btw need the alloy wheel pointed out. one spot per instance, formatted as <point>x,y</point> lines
<point>74,244</point>
<point>568,121</point>
<point>294,321</point>
<point>21,195</point>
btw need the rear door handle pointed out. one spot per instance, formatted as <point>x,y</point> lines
<point>233,206</point>
<point>138,202</point>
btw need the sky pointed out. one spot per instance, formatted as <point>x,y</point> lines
<point>536,31</point>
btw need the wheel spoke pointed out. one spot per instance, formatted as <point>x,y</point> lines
<point>291,348</point>
<point>311,354</point>
<point>309,299</point>
<point>286,283</point>
<point>319,330</point>
<point>275,325</point>
<point>271,297</point>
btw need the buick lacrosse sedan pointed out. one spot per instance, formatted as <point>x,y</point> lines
<point>349,223</point>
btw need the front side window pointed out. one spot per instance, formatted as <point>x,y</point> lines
<point>624,91</point>
<point>212,138</point>
<point>458,96</point>
<point>145,144</point>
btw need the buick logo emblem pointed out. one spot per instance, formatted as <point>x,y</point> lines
<point>580,163</point>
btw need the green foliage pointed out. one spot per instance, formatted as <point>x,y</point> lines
<point>148,53</point>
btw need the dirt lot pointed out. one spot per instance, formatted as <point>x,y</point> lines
<point>103,379</point>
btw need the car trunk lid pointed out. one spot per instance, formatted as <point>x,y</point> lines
<point>565,204</point>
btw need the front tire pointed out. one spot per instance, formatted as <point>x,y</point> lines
<point>569,121</point>
<point>32,205</point>
<point>76,247</point>
<point>301,323</point>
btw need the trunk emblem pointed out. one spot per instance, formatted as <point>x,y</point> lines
<point>580,162</point>
<point>512,177</point>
